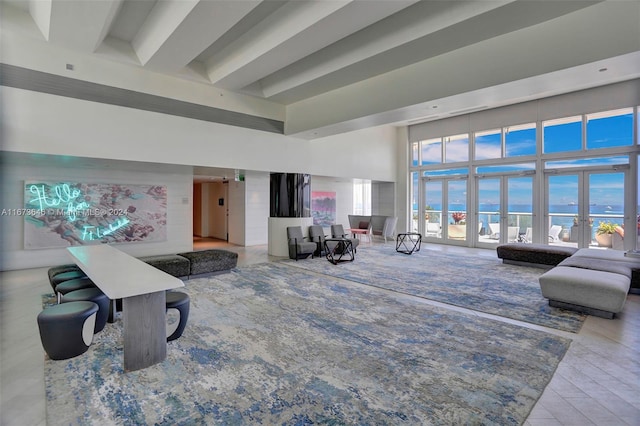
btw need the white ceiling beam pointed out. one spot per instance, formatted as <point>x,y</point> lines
<point>80,25</point>
<point>290,20</point>
<point>40,11</point>
<point>177,31</point>
<point>503,72</point>
<point>295,31</point>
<point>406,26</point>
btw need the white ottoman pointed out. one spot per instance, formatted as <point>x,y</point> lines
<point>594,292</point>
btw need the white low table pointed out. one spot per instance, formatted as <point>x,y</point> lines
<point>142,290</point>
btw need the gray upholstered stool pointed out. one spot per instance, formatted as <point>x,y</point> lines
<point>73,285</point>
<point>91,295</point>
<point>180,302</point>
<point>66,330</point>
<point>57,279</point>
<point>58,269</point>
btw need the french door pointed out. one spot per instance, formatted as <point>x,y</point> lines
<point>577,202</point>
<point>504,207</point>
<point>445,210</point>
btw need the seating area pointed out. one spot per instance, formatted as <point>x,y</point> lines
<point>378,225</point>
<point>315,244</point>
<point>591,281</point>
<point>81,305</point>
<point>82,309</point>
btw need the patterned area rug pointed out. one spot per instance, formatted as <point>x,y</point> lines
<point>271,344</point>
<point>480,283</point>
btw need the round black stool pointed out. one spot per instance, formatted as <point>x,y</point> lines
<point>66,276</point>
<point>91,295</point>
<point>179,301</point>
<point>67,330</point>
<point>73,285</point>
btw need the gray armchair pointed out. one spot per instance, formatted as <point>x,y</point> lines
<point>337,231</point>
<point>316,234</point>
<point>299,247</point>
<point>388,228</point>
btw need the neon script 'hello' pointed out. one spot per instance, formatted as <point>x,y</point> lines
<point>63,195</point>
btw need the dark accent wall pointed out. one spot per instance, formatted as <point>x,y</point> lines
<point>290,195</point>
<point>37,81</point>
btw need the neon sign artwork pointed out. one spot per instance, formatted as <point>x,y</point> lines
<point>68,213</point>
<point>63,195</point>
<point>95,232</point>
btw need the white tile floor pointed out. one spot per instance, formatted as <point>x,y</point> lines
<point>597,382</point>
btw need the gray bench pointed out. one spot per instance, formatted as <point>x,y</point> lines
<point>206,262</point>
<point>182,265</point>
<point>172,264</point>
<point>537,255</point>
<point>594,292</point>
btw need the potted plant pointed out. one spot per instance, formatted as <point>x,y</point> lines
<point>604,233</point>
<point>458,229</point>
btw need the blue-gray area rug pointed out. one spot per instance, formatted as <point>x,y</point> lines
<point>480,283</point>
<point>274,345</point>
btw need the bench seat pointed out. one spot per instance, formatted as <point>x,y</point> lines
<point>594,292</point>
<point>210,261</point>
<point>172,264</point>
<point>538,255</point>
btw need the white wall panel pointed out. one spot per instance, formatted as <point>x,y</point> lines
<point>257,208</point>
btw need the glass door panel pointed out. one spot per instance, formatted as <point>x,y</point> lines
<point>563,207</point>
<point>606,206</point>
<point>520,209</point>
<point>489,197</point>
<point>456,213</point>
<point>433,209</point>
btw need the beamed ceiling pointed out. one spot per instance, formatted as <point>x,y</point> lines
<point>338,66</point>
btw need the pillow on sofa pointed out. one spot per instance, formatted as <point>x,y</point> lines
<point>363,225</point>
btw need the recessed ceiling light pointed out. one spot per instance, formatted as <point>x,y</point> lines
<point>70,67</point>
<point>603,69</point>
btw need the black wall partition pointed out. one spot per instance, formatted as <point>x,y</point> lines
<point>290,195</point>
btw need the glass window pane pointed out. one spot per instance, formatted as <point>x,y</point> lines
<point>609,129</point>
<point>415,179</point>
<point>488,144</point>
<point>456,148</point>
<point>489,210</point>
<point>562,135</point>
<point>520,140</point>
<point>414,154</point>
<point>587,162</point>
<point>521,167</point>
<point>433,209</point>
<point>457,209</point>
<point>446,172</point>
<point>431,151</point>
<point>520,208</point>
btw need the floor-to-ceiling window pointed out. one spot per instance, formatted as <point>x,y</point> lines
<point>566,180</point>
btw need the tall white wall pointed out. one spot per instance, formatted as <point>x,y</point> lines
<point>39,123</point>
<point>179,211</point>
